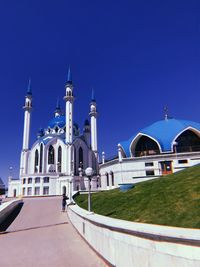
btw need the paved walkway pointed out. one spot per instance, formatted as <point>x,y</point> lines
<point>42,236</point>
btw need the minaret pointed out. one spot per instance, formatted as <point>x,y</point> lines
<point>26,135</point>
<point>69,98</point>
<point>93,123</point>
<point>27,117</point>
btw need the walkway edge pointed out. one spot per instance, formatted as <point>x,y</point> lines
<point>8,213</point>
<point>123,243</point>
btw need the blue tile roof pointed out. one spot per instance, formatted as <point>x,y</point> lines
<point>57,121</point>
<point>164,132</point>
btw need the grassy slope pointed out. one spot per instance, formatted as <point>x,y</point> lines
<point>171,200</point>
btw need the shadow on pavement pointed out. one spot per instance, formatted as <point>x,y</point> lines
<point>33,228</point>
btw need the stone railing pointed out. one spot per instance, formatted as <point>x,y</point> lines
<point>123,243</point>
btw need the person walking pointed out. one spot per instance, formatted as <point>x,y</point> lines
<point>64,202</point>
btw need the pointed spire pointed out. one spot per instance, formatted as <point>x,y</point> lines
<point>166,110</point>
<point>69,76</point>
<point>58,104</point>
<point>58,110</point>
<point>29,91</point>
<point>93,96</point>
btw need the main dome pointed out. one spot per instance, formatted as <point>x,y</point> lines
<point>164,132</point>
<point>57,121</point>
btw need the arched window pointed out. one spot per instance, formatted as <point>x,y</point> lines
<point>80,156</point>
<point>112,178</point>
<point>36,160</point>
<point>107,179</point>
<point>41,156</point>
<point>188,141</point>
<point>146,146</point>
<point>51,155</point>
<point>59,158</point>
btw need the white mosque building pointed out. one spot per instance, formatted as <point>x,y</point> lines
<point>165,147</point>
<point>54,164</point>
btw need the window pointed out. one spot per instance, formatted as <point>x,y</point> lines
<point>145,147</point>
<point>46,179</point>
<point>188,141</point>
<point>183,161</point>
<point>45,190</point>
<point>59,158</point>
<point>29,191</point>
<point>149,164</point>
<point>107,179</point>
<point>41,156</point>
<point>80,154</point>
<point>37,191</point>
<point>37,180</point>
<point>30,180</point>
<point>112,178</point>
<point>36,160</point>
<point>24,181</point>
<point>51,155</point>
<point>150,173</point>
<point>23,191</point>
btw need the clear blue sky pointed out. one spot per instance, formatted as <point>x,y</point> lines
<point>138,56</point>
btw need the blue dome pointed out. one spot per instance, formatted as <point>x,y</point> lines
<point>164,132</point>
<point>57,121</point>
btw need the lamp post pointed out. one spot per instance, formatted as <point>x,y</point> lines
<point>89,173</point>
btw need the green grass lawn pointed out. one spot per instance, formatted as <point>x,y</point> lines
<point>171,200</point>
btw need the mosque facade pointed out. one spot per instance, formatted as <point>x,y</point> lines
<point>54,164</point>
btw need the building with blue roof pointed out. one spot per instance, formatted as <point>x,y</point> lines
<point>164,147</point>
<point>54,164</point>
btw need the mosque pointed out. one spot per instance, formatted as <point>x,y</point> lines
<point>54,164</point>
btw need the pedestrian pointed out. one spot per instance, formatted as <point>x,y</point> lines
<point>64,201</point>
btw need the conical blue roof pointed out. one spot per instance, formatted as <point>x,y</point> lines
<point>69,76</point>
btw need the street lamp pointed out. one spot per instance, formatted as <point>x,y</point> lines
<point>89,172</point>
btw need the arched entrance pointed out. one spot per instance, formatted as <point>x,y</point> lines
<point>14,193</point>
<point>64,190</point>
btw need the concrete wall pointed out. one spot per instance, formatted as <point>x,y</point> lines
<point>124,243</point>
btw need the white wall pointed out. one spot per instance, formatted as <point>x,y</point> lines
<point>133,170</point>
<point>124,243</point>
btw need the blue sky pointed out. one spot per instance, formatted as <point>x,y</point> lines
<point>139,56</point>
